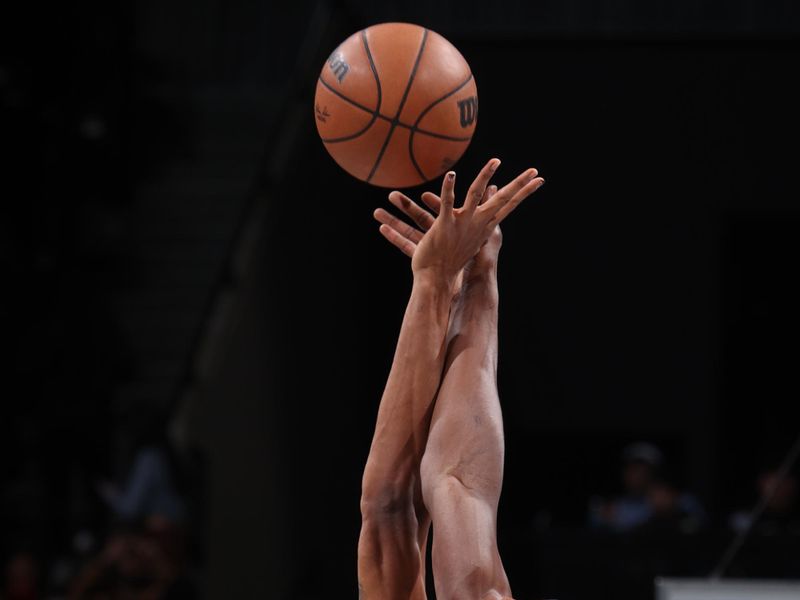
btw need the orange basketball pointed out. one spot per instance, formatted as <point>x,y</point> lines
<point>396,105</point>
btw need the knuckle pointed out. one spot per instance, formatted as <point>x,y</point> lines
<point>499,198</point>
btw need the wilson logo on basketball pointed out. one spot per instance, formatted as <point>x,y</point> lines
<point>338,66</point>
<point>468,110</point>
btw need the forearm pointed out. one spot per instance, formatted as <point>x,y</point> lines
<point>404,414</point>
<point>473,327</point>
<point>466,431</point>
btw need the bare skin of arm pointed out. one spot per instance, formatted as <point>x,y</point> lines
<point>395,518</point>
<point>462,467</point>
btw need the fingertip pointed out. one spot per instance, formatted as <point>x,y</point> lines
<point>493,164</point>
<point>534,184</point>
<point>448,191</point>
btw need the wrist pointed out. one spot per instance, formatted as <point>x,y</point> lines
<point>434,281</point>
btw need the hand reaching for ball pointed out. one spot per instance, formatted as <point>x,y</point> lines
<point>482,264</point>
<point>456,235</point>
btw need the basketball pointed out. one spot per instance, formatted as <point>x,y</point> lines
<point>396,105</point>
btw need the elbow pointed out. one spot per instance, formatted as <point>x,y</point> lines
<point>385,498</point>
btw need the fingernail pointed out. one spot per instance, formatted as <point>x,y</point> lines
<point>494,165</point>
<point>451,176</point>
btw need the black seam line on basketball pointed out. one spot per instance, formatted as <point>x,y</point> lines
<point>442,99</point>
<point>375,113</point>
<point>452,138</point>
<point>400,108</point>
<point>352,136</point>
<point>414,160</point>
<point>351,101</point>
<point>414,128</point>
<point>430,133</point>
<point>374,70</point>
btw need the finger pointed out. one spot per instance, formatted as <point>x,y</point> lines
<point>490,191</point>
<point>406,246</point>
<point>414,211</point>
<point>397,239</point>
<point>516,200</point>
<point>432,201</point>
<point>478,187</point>
<point>401,227</point>
<point>505,193</point>
<point>448,194</point>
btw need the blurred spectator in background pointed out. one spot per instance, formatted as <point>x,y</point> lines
<point>149,489</point>
<point>21,580</point>
<point>781,512</point>
<point>148,544</point>
<point>145,554</point>
<point>647,501</point>
<point>133,564</point>
<point>150,486</point>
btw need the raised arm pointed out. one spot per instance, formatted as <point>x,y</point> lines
<point>394,520</point>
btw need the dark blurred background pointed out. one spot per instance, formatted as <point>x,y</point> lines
<point>199,313</point>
